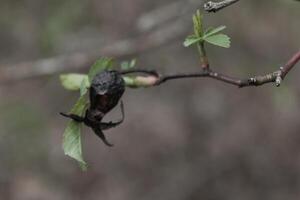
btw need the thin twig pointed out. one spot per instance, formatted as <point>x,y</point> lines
<point>290,64</point>
<point>276,76</point>
<point>216,6</point>
<point>144,71</point>
<point>166,78</point>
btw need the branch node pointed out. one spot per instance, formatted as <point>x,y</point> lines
<point>278,79</point>
<point>209,6</point>
<point>252,80</point>
<point>216,6</point>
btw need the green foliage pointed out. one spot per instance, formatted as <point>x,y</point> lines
<point>192,39</point>
<point>128,65</point>
<point>72,143</point>
<point>84,86</point>
<point>221,40</point>
<point>73,81</point>
<point>80,82</point>
<point>72,134</point>
<point>212,31</point>
<point>210,35</point>
<point>198,25</point>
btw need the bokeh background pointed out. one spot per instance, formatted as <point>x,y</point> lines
<point>184,140</point>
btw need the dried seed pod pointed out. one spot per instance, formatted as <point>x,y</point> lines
<point>106,90</point>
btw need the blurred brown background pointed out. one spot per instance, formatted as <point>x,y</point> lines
<point>185,140</point>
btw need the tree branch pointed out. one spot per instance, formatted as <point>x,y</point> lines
<point>216,6</point>
<point>153,78</point>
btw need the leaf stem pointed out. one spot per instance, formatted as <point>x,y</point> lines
<point>203,56</point>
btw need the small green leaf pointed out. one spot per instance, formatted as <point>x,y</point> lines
<point>72,81</point>
<point>213,31</point>
<point>85,84</point>
<point>192,39</point>
<point>80,106</point>
<point>221,40</point>
<point>198,25</point>
<point>72,137</point>
<point>127,65</point>
<point>100,65</point>
<point>72,143</point>
<point>132,63</point>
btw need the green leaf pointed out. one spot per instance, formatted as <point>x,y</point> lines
<point>198,25</point>
<point>127,65</point>
<point>72,143</point>
<point>85,84</point>
<point>213,31</point>
<point>132,63</point>
<point>100,65</point>
<point>73,81</point>
<point>72,136</point>
<point>221,40</point>
<point>192,39</point>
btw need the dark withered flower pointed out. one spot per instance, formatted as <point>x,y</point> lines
<point>106,90</point>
